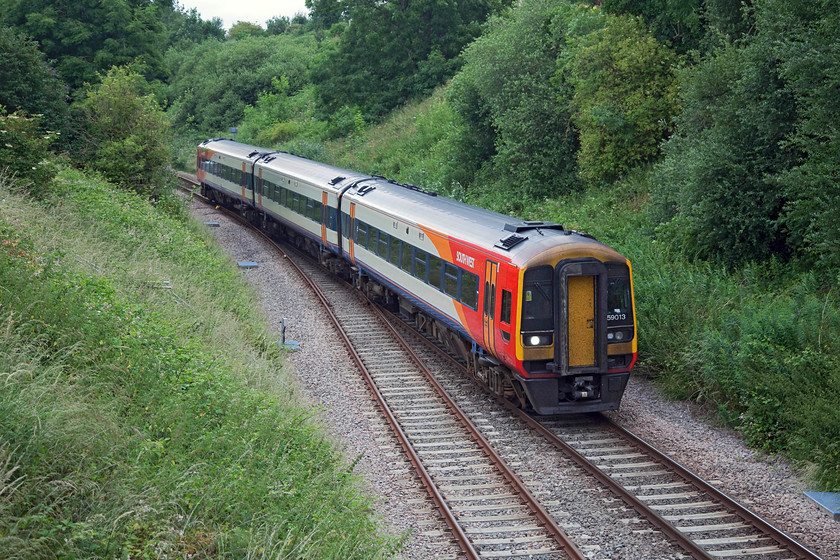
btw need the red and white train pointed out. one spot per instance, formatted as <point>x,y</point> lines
<point>539,313</point>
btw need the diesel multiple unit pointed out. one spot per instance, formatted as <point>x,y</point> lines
<point>540,314</point>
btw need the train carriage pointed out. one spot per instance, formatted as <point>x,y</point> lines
<point>541,314</point>
<point>536,311</point>
<point>225,169</point>
<point>303,195</point>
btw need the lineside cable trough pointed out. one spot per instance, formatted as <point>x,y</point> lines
<point>829,501</point>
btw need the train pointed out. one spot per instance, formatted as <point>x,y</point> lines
<point>540,314</point>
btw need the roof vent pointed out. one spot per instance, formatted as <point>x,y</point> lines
<point>510,241</point>
<point>337,180</point>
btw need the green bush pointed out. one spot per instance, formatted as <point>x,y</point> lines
<point>123,133</point>
<point>24,151</point>
<point>624,95</point>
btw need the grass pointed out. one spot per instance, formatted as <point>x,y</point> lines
<point>143,419</point>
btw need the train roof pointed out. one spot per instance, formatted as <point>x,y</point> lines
<point>519,239</point>
<point>328,177</point>
<point>235,149</point>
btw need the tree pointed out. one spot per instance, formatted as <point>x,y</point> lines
<point>394,50</point>
<point>806,44</point>
<point>243,30</point>
<point>624,95</point>
<point>506,96</point>
<point>214,81</point>
<point>83,37</point>
<point>715,191</point>
<point>188,27</point>
<point>28,83</point>
<point>677,23</point>
<point>277,25</point>
<point>326,13</point>
<point>123,132</point>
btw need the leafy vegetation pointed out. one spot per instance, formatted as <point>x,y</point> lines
<point>420,50</point>
<point>122,133</point>
<point>140,421</point>
<point>697,137</point>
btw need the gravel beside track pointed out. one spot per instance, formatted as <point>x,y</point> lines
<point>328,377</point>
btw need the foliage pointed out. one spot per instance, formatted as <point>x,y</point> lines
<point>85,37</point>
<point>505,94</point>
<point>187,27</point>
<point>624,95</point>
<point>24,151</point>
<point>277,25</point>
<point>377,71</point>
<point>244,29</point>
<point>128,426</point>
<point>123,133</point>
<point>213,82</point>
<point>675,22</point>
<point>806,44</point>
<point>715,193</point>
<point>27,83</point>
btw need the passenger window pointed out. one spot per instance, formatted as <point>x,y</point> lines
<point>435,265</point>
<point>469,289</point>
<point>450,280</point>
<point>384,242</point>
<point>372,239</point>
<point>394,255</point>
<point>420,264</point>
<point>407,257</point>
<point>361,233</point>
<point>506,301</point>
<point>345,225</point>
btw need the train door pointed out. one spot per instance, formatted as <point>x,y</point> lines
<point>324,217</point>
<point>582,312</point>
<point>491,271</point>
<point>352,235</point>
<point>243,180</point>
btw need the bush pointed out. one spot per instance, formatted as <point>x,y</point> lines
<point>24,151</point>
<point>122,133</point>
<point>624,96</point>
<point>28,84</point>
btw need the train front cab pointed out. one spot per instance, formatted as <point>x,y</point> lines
<point>577,335</point>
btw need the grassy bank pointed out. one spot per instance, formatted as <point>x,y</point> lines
<point>144,410</point>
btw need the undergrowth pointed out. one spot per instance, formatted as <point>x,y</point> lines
<point>144,411</point>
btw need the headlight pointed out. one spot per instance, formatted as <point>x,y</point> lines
<point>538,340</point>
<point>619,335</point>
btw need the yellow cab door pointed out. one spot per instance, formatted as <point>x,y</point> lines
<point>582,329</point>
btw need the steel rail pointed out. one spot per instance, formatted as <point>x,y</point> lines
<point>696,551</point>
<point>449,517</point>
<point>539,511</point>
<point>673,533</point>
<point>782,539</point>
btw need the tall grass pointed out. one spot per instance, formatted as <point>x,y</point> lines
<point>144,411</point>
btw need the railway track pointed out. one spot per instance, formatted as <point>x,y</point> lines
<point>689,511</point>
<point>488,509</point>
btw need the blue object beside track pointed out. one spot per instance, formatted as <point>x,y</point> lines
<point>829,501</point>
